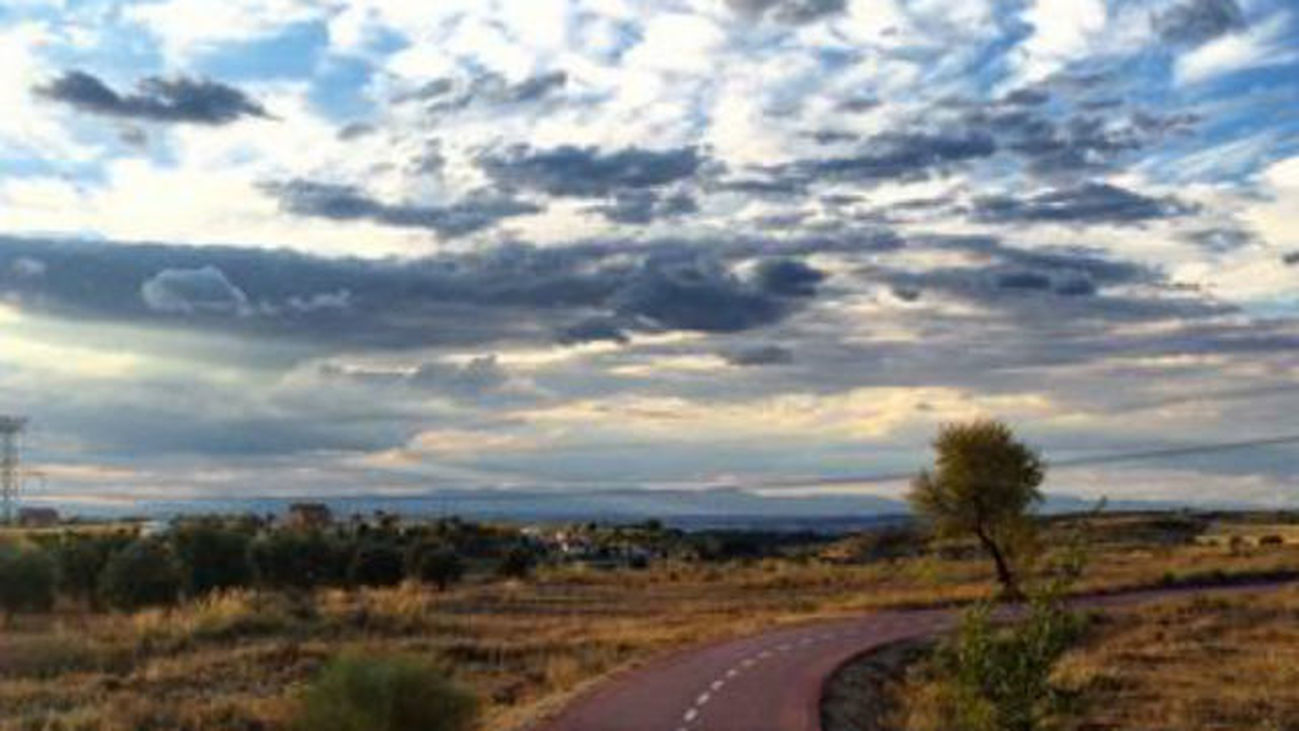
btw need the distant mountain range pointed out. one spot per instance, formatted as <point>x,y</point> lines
<point>690,509</point>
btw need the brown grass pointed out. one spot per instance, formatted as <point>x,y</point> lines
<point>1219,663</point>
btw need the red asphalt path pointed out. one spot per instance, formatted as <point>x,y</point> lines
<point>771,681</point>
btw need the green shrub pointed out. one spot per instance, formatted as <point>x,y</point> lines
<point>434,563</point>
<point>213,557</point>
<point>297,560</point>
<point>376,563</point>
<point>28,577</point>
<point>82,558</point>
<point>356,693</point>
<point>145,573</point>
<point>998,678</point>
<point>517,563</point>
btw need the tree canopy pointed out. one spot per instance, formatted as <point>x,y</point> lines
<point>984,484</point>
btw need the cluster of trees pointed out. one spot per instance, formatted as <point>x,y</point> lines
<point>121,570</point>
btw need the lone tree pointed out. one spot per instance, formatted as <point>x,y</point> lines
<point>984,484</point>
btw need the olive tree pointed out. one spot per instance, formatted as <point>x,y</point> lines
<point>983,485</point>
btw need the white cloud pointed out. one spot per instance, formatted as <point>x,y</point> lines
<point>188,27</point>
<point>1265,44</point>
<point>1062,31</point>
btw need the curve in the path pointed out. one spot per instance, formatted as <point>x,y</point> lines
<point>770,681</point>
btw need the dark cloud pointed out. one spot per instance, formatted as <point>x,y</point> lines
<point>156,99</point>
<point>1077,286</point>
<point>536,87</point>
<point>831,136</point>
<point>589,172</point>
<point>1073,135</point>
<point>1024,280</point>
<point>1198,21</point>
<point>858,104</point>
<point>759,355</point>
<point>489,89</point>
<point>697,294</point>
<point>594,329</point>
<point>788,278</point>
<point>192,291</point>
<point>355,131</point>
<point>1088,203</point>
<point>646,206</point>
<point>509,294</point>
<point>480,375</point>
<point>25,267</point>
<point>1291,259</point>
<point>905,156</point>
<point>1027,97</point>
<point>1220,239</point>
<point>348,203</point>
<point>788,11</point>
<point>1011,274</point>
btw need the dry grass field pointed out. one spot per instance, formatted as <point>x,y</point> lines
<point>236,660</point>
<point>1211,663</point>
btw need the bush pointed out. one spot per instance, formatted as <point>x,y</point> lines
<point>376,564</point>
<point>82,558</point>
<point>213,557</point>
<point>998,679</point>
<point>28,578</point>
<point>517,563</point>
<point>143,574</point>
<point>356,693</point>
<point>434,563</point>
<point>297,560</point>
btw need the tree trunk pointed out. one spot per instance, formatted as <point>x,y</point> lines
<point>1009,587</point>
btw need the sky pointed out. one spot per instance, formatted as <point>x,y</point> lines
<point>339,247</point>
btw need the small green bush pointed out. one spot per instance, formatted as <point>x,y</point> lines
<point>28,577</point>
<point>434,563</point>
<point>213,557</point>
<point>998,679</point>
<point>145,573</point>
<point>359,693</point>
<point>376,563</point>
<point>517,563</point>
<point>287,559</point>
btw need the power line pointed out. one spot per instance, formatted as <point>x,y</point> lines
<point>1164,453</point>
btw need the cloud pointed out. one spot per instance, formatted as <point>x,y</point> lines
<point>193,291</point>
<point>588,172</point>
<point>646,206</point>
<point>592,330</point>
<point>1198,21</point>
<point>1266,43</point>
<point>699,294</point>
<point>349,203</point>
<point>1085,204</point>
<point>759,355</point>
<point>489,89</point>
<point>26,267</point>
<point>788,278</point>
<point>157,99</point>
<point>1024,280</point>
<point>503,294</point>
<point>900,156</point>
<point>479,376</point>
<point>789,11</point>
